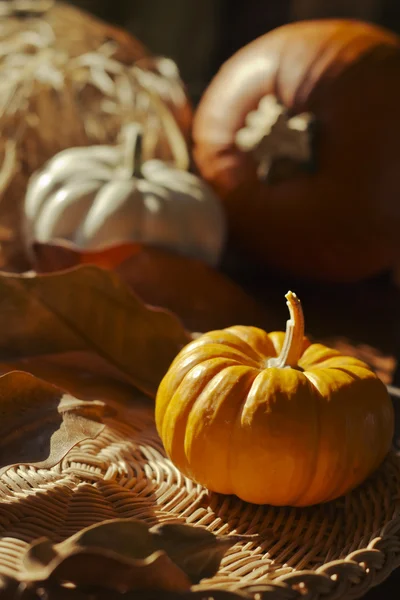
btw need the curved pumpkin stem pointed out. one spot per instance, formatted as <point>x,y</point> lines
<point>132,144</point>
<point>292,347</point>
<point>272,135</point>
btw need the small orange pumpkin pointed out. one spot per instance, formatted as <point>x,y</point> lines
<point>271,417</point>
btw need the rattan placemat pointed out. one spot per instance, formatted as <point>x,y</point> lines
<point>336,550</point>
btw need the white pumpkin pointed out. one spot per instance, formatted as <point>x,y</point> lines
<point>102,195</point>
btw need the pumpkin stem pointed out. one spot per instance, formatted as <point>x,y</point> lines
<point>132,142</point>
<point>282,144</point>
<point>292,347</point>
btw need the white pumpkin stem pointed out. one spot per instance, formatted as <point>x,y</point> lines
<point>272,135</point>
<point>292,347</point>
<point>132,143</point>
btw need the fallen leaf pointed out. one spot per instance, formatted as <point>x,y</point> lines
<point>87,319</point>
<point>195,550</point>
<point>124,554</point>
<point>39,424</point>
<point>105,569</point>
<point>76,379</point>
<point>8,586</point>
<point>48,258</point>
<point>202,297</point>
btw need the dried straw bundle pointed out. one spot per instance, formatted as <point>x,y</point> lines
<point>67,80</point>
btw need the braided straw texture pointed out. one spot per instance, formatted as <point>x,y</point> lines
<point>332,551</point>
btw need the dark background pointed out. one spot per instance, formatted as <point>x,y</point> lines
<point>201,34</point>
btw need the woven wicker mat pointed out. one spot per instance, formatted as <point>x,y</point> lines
<point>337,550</point>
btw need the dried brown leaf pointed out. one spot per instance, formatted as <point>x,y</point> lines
<point>87,319</point>
<point>196,551</point>
<point>8,587</point>
<point>65,371</point>
<point>49,258</point>
<point>39,424</point>
<point>124,554</point>
<point>105,569</point>
<point>202,297</point>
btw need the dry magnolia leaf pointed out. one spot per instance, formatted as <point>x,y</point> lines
<point>105,569</point>
<point>124,554</point>
<point>39,424</point>
<point>9,587</point>
<point>76,378</point>
<point>196,551</point>
<point>52,591</point>
<point>202,297</point>
<point>48,258</point>
<point>87,318</point>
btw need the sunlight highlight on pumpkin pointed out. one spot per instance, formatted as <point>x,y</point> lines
<point>271,417</point>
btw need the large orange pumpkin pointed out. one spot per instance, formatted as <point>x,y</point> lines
<point>317,195</point>
<point>272,418</point>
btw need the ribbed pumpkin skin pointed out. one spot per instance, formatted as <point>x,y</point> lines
<point>341,219</point>
<point>270,435</point>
